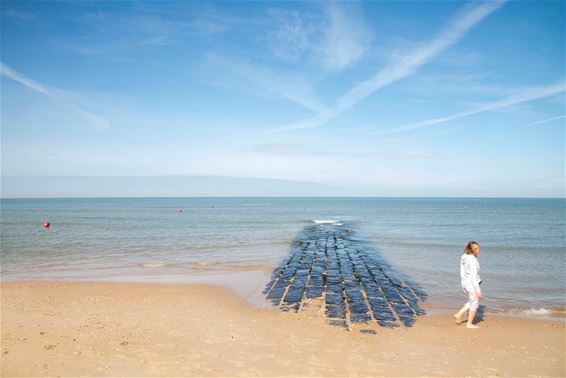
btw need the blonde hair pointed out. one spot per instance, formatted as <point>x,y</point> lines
<point>469,248</point>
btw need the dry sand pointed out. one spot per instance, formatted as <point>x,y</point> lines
<point>108,329</point>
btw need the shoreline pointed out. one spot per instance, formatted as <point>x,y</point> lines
<point>249,286</point>
<point>110,328</point>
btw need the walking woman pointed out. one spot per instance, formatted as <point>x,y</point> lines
<point>470,279</point>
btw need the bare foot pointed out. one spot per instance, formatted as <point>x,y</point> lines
<point>472,326</point>
<point>457,319</point>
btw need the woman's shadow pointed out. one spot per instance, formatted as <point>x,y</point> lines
<point>480,314</point>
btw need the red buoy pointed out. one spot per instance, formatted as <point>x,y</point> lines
<point>46,225</point>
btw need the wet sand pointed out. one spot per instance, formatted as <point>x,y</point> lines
<point>130,329</point>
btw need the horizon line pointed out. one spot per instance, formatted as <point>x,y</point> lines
<point>384,197</point>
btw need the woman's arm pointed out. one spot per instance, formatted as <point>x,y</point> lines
<point>474,274</point>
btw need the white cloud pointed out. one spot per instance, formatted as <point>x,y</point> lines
<point>294,34</point>
<point>257,80</point>
<point>346,38</point>
<point>19,14</point>
<point>8,72</point>
<point>408,64</point>
<point>333,39</point>
<point>294,150</point>
<point>158,26</point>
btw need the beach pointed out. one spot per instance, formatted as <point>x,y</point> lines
<point>133,287</point>
<point>55,328</point>
<point>282,189</point>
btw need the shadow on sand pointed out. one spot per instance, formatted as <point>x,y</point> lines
<point>480,314</point>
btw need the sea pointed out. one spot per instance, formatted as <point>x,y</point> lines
<point>238,242</point>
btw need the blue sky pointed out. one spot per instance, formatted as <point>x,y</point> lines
<point>382,98</point>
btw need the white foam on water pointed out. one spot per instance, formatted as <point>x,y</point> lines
<point>155,265</point>
<point>206,263</point>
<point>327,221</point>
<point>537,312</point>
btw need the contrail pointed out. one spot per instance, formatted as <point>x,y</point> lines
<point>546,120</point>
<point>526,95</point>
<point>456,29</point>
<point>12,74</point>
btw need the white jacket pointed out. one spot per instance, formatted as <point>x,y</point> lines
<point>470,273</point>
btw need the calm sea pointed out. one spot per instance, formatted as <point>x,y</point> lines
<point>236,242</point>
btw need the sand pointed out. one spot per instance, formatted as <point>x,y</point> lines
<point>120,329</point>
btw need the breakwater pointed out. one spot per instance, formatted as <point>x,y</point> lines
<point>328,261</point>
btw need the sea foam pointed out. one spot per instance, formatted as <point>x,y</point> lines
<point>155,265</point>
<point>327,221</point>
<point>537,312</point>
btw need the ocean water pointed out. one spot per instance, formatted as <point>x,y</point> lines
<point>237,242</point>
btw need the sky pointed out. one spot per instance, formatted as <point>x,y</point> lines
<point>400,98</point>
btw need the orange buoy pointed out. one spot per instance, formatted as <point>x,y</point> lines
<point>46,224</point>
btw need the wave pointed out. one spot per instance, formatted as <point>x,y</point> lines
<point>211,266</point>
<point>537,312</point>
<point>206,263</point>
<point>156,265</point>
<point>327,221</point>
<point>229,266</point>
